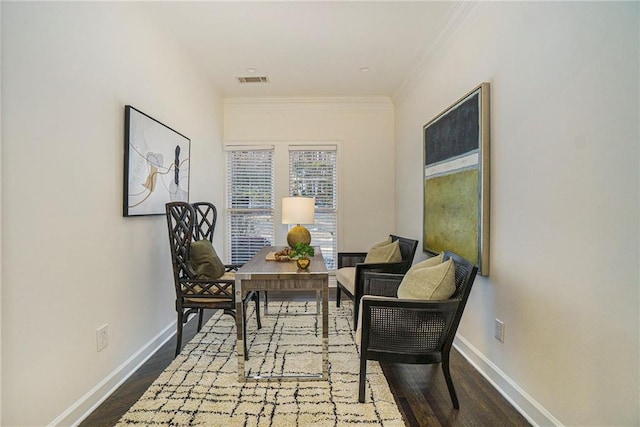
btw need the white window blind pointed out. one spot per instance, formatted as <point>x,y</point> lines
<point>313,173</point>
<point>250,202</point>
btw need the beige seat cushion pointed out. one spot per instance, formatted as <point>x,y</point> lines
<point>429,283</point>
<point>389,252</point>
<point>228,275</point>
<point>347,278</point>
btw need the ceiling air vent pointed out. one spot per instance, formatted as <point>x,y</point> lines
<point>253,79</point>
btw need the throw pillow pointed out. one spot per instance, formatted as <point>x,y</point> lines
<point>205,261</point>
<point>429,283</point>
<point>383,243</point>
<point>389,252</point>
<point>430,262</point>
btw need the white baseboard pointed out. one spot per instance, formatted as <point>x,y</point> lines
<point>516,396</point>
<point>88,403</point>
<point>521,401</point>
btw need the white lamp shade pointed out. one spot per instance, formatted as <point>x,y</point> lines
<point>298,210</point>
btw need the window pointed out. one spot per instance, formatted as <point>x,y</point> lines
<point>250,201</point>
<point>256,183</point>
<point>312,173</point>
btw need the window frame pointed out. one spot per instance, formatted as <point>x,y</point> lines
<point>281,182</point>
<point>268,236</point>
<point>294,189</point>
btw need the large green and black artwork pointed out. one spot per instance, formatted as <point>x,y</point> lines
<point>456,180</point>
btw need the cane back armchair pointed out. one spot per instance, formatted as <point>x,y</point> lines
<point>351,268</point>
<point>411,331</point>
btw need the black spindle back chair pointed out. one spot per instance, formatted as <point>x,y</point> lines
<point>188,223</point>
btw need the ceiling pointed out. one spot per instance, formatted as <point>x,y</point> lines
<point>305,48</point>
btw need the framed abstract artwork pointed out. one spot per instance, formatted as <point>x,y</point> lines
<point>457,179</point>
<point>156,165</point>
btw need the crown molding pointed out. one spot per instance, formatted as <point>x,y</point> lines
<point>459,17</point>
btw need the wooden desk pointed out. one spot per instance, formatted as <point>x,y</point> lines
<point>261,275</point>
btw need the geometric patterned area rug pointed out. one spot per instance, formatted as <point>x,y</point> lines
<point>201,387</point>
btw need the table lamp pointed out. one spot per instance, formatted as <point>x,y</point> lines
<point>298,210</point>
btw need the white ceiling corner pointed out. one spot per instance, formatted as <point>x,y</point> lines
<point>311,49</point>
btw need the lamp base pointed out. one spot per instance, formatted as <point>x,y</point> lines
<point>298,234</point>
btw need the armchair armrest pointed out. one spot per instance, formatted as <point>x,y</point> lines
<point>350,259</point>
<point>232,267</point>
<point>381,284</point>
<point>399,267</point>
<point>432,306</point>
<point>383,267</point>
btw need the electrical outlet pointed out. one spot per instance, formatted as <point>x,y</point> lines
<point>499,330</point>
<point>102,337</point>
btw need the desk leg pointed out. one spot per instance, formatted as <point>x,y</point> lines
<point>325,330</point>
<point>240,329</point>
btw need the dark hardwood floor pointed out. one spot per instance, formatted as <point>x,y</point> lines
<point>420,390</point>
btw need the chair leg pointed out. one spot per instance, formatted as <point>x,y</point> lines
<point>338,292</point>
<point>256,297</point>
<point>179,332</point>
<point>363,378</point>
<point>244,327</point>
<point>266,303</point>
<point>200,316</point>
<point>356,311</point>
<point>447,377</point>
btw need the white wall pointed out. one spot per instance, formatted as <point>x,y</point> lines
<point>565,222</point>
<point>362,128</point>
<point>70,261</point>
<point>564,201</point>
